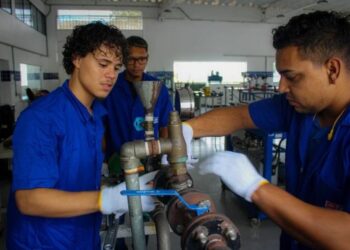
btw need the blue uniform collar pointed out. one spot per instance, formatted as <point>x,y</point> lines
<point>345,120</point>
<point>308,124</point>
<point>97,108</point>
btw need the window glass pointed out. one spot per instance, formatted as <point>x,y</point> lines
<point>30,78</point>
<point>19,10</point>
<point>276,75</point>
<point>6,5</point>
<point>28,18</point>
<point>34,17</point>
<point>125,19</point>
<point>198,72</point>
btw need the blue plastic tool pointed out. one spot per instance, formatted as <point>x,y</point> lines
<point>167,192</point>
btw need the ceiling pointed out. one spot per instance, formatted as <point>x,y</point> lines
<point>265,11</point>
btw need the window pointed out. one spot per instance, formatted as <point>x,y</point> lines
<point>41,19</point>
<point>30,15</point>
<point>198,72</point>
<point>35,17</point>
<point>124,20</point>
<point>6,5</point>
<point>30,78</point>
<point>276,75</point>
<point>19,10</point>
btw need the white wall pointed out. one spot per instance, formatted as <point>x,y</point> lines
<point>185,40</point>
<point>16,33</point>
<point>169,41</point>
<point>207,41</point>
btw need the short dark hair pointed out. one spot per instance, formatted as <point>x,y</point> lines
<point>318,36</point>
<point>136,41</point>
<point>87,38</point>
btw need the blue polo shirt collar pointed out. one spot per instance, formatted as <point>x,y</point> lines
<point>97,107</point>
<point>346,118</point>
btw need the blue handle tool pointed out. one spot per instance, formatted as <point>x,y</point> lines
<point>166,192</point>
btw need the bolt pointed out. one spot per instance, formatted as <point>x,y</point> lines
<point>201,234</point>
<point>202,237</point>
<point>231,233</point>
<point>179,228</point>
<point>204,203</point>
<point>189,183</point>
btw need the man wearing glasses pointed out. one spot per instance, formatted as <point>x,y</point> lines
<point>125,110</point>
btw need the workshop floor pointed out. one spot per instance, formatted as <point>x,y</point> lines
<point>253,237</point>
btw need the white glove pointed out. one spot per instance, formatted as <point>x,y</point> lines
<point>187,133</point>
<point>235,170</point>
<point>111,201</point>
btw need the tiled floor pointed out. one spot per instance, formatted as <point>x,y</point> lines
<point>264,236</point>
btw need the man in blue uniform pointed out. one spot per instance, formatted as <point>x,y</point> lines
<point>125,110</point>
<point>55,199</point>
<point>313,59</point>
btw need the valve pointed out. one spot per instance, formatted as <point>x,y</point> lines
<point>199,209</point>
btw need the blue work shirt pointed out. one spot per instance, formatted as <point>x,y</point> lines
<point>57,144</point>
<point>321,179</point>
<point>126,113</point>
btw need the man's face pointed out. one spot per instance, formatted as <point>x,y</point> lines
<point>136,62</point>
<point>97,71</point>
<point>305,83</point>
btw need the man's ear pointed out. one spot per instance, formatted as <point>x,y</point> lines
<point>76,61</point>
<point>333,66</point>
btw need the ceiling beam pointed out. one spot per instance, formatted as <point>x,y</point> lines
<point>166,5</point>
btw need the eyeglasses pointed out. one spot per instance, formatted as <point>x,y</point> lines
<point>139,60</point>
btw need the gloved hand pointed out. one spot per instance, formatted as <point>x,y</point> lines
<point>111,201</point>
<point>187,133</point>
<point>235,170</point>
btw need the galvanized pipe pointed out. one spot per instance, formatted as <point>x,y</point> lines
<point>178,155</point>
<point>130,166</point>
<point>141,149</point>
<point>148,125</point>
<point>162,228</point>
<point>130,154</point>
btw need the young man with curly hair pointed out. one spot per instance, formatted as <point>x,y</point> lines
<point>55,200</point>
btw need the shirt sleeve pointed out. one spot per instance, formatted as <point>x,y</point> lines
<point>166,107</point>
<point>271,115</point>
<point>35,152</point>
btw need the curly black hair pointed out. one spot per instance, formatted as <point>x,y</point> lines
<point>318,36</point>
<point>87,38</point>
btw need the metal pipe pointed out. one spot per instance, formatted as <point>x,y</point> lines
<point>110,239</point>
<point>162,228</point>
<point>141,149</point>
<point>175,147</point>
<point>165,145</point>
<point>178,155</point>
<point>130,166</point>
<point>130,154</point>
<point>149,130</point>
